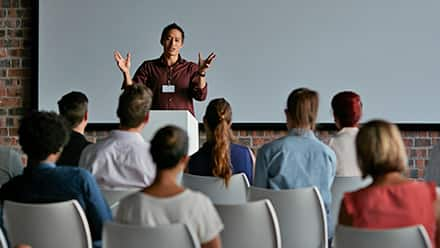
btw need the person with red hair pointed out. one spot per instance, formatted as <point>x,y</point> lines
<point>347,111</point>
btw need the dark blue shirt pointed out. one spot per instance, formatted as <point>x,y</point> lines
<point>201,162</point>
<point>46,183</point>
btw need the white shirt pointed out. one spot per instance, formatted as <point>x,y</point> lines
<point>121,161</point>
<point>344,145</point>
<point>189,207</point>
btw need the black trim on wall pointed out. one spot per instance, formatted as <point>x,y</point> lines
<point>277,126</point>
<point>35,54</point>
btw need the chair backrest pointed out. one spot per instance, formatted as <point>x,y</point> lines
<point>339,187</point>
<point>114,196</point>
<point>301,213</point>
<point>3,242</point>
<point>51,225</point>
<point>215,189</point>
<point>117,235</point>
<point>407,237</point>
<point>250,225</point>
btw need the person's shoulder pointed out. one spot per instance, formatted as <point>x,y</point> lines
<point>239,147</point>
<point>74,172</point>
<point>198,198</point>
<point>275,145</point>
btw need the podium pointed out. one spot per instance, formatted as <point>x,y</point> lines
<point>180,118</point>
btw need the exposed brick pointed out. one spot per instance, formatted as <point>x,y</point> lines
<point>420,163</point>
<point>3,112</point>
<point>2,91</point>
<point>15,33</point>
<point>408,142</point>
<point>9,43</point>
<point>12,23</point>
<point>258,141</point>
<point>419,153</point>
<point>19,52</point>
<point>19,72</point>
<point>2,73</point>
<point>10,102</point>
<point>13,131</point>
<point>244,141</point>
<point>14,91</point>
<point>422,142</point>
<point>26,22</point>
<point>16,111</point>
<point>3,53</point>
<point>12,122</point>
<point>2,33</point>
<point>3,131</point>
<point>435,141</point>
<point>19,12</point>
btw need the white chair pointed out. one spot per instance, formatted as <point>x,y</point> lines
<point>51,225</point>
<point>3,242</point>
<point>250,225</point>
<point>117,235</point>
<point>339,187</point>
<point>215,189</point>
<point>301,213</point>
<point>114,196</point>
<point>407,237</point>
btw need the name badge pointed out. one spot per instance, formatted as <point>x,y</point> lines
<point>168,88</point>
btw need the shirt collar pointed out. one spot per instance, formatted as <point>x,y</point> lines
<point>162,62</point>
<point>301,132</point>
<point>350,130</point>
<point>126,135</point>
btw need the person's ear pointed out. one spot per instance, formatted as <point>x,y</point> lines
<point>147,118</point>
<point>86,116</point>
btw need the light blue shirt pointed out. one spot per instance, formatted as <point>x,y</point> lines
<point>297,160</point>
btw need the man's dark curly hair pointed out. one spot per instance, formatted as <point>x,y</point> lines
<point>41,134</point>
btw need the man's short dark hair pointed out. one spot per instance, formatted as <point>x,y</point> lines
<point>134,105</point>
<point>73,107</point>
<point>41,134</point>
<point>168,28</point>
<point>168,146</point>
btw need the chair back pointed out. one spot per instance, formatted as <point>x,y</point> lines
<point>249,225</point>
<point>406,237</point>
<point>339,187</point>
<point>301,213</point>
<point>117,235</point>
<point>216,190</point>
<point>3,242</point>
<point>114,196</point>
<point>51,225</point>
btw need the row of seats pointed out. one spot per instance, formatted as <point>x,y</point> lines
<point>253,224</point>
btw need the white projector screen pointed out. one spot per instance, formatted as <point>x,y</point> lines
<point>387,51</point>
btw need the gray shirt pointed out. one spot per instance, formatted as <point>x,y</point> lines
<point>10,164</point>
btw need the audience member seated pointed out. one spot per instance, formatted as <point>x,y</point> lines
<point>392,200</point>
<point>42,136</point>
<point>165,201</point>
<point>120,161</point>
<point>299,159</point>
<point>432,169</point>
<point>218,156</point>
<point>11,164</point>
<point>73,107</point>
<point>347,111</point>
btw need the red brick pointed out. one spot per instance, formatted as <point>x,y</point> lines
<point>3,53</point>
<point>419,153</point>
<point>12,23</point>
<point>10,102</point>
<point>2,92</point>
<point>244,141</point>
<point>409,142</point>
<point>13,131</point>
<point>14,91</point>
<point>420,163</point>
<point>3,132</point>
<point>422,142</point>
<point>19,73</point>
<point>257,142</point>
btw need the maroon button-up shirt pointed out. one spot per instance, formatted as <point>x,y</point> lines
<point>183,75</point>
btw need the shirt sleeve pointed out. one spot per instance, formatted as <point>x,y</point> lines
<point>141,75</point>
<point>209,224</point>
<point>261,171</point>
<point>196,92</point>
<point>97,210</point>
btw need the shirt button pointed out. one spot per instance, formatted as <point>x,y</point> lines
<point>170,99</point>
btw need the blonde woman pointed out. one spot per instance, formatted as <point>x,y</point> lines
<point>392,200</point>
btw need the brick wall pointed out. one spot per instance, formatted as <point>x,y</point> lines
<point>15,66</point>
<point>16,42</point>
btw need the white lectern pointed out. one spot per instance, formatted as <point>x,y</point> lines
<point>180,118</point>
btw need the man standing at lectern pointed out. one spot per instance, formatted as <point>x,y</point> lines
<point>173,80</point>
